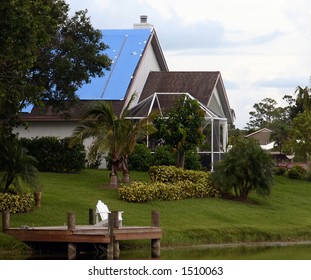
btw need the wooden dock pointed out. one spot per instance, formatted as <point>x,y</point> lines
<point>73,234</point>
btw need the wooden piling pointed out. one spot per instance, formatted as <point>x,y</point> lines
<point>91,216</point>
<point>5,220</point>
<point>71,219</point>
<point>72,251</point>
<point>155,243</point>
<point>110,245</point>
<point>72,248</point>
<point>116,222</point>
<point>155,218</point>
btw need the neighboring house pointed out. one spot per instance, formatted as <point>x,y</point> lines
<point>139,67</point>
<point>263,136</point>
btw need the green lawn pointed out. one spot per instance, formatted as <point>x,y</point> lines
<point>286,215</point>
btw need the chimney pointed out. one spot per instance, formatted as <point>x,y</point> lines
<point>143,19</point>
<point>143,23</point>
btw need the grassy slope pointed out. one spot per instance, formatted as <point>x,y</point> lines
<point>284,216</point>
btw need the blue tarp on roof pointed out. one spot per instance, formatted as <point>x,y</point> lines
<point>125,49</point>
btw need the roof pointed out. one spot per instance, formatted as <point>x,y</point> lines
<point>75,113</point>
<point>260,131</point>
<point>126,47</point>
<point>198,84</point>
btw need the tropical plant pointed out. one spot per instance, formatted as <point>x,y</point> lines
<point>182,127</point>
<point>141,158</point>
<point>303,97</point>
<point>116,135</point>
<point>16,165</point>
<point>246,167</point>
<point>300,134</point>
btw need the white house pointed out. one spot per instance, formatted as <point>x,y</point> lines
<point>139,67</point>
<point>134,53</point>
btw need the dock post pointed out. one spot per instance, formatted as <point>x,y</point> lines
<point>155,243</point>
<point>5,220</point>
<point>110,232</point>
<point>91,216</point>
<point>71,223</point>
<point>116,224</point>
<point>71,218</point>
<point>72,251</point>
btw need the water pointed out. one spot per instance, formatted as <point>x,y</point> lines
<point>291,252</point>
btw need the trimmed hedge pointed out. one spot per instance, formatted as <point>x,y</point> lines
<point>169,183</point>
<point>171,174</point>
<point>54,155</point>
<point>16,203</point>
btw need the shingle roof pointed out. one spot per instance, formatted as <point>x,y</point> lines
<point>198,84</point>
<point>75,112</point>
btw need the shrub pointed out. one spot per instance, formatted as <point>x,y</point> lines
<point>173,174</point>
<point>141,159</point>
<point>246,167</point>
<point>280,170</point>
<point>297,172</point>
<point>163,155</point>
<point>143,192</point>
<point>169,183</point>
<point>54,155</point>
<point>16,203</point>
<point>193,161</point>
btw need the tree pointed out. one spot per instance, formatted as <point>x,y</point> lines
<point>16,165</point>
<point>182,127</point>
<point>300,133</point>
<point>45,55</point>
<point>246,167</point>
<point>280,134</point>
<point>116,135</point>
<point>265,114</point>
<point>303,97</point>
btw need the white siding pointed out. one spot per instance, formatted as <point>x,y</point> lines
<point>215,104</point>
<point>148,63</point>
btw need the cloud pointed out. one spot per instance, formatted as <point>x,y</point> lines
<point>262,48</point>
<point>282,82</point>
<point>174,34</point>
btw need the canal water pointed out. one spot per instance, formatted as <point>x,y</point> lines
<point>278,252</point>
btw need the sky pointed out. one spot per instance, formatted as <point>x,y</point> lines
<point>262,48</point>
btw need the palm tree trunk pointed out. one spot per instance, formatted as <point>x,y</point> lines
<point>125,170</point>
<point>114,173</point>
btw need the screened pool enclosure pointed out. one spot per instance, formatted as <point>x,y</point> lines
<point>215,127</point>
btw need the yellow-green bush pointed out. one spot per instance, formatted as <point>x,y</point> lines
<point>169,183</point>
<point>174,174</point>
<point>16,203</point>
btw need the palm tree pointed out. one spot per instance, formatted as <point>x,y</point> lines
<point>112,134</point>
<point>16,165</point>
<point>132,132</point>
<point>303,97</point>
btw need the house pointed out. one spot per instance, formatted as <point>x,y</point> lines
<point>134,53</point>
<point>263,136</point>
<point>139,67</point>
<point>162,89</point>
